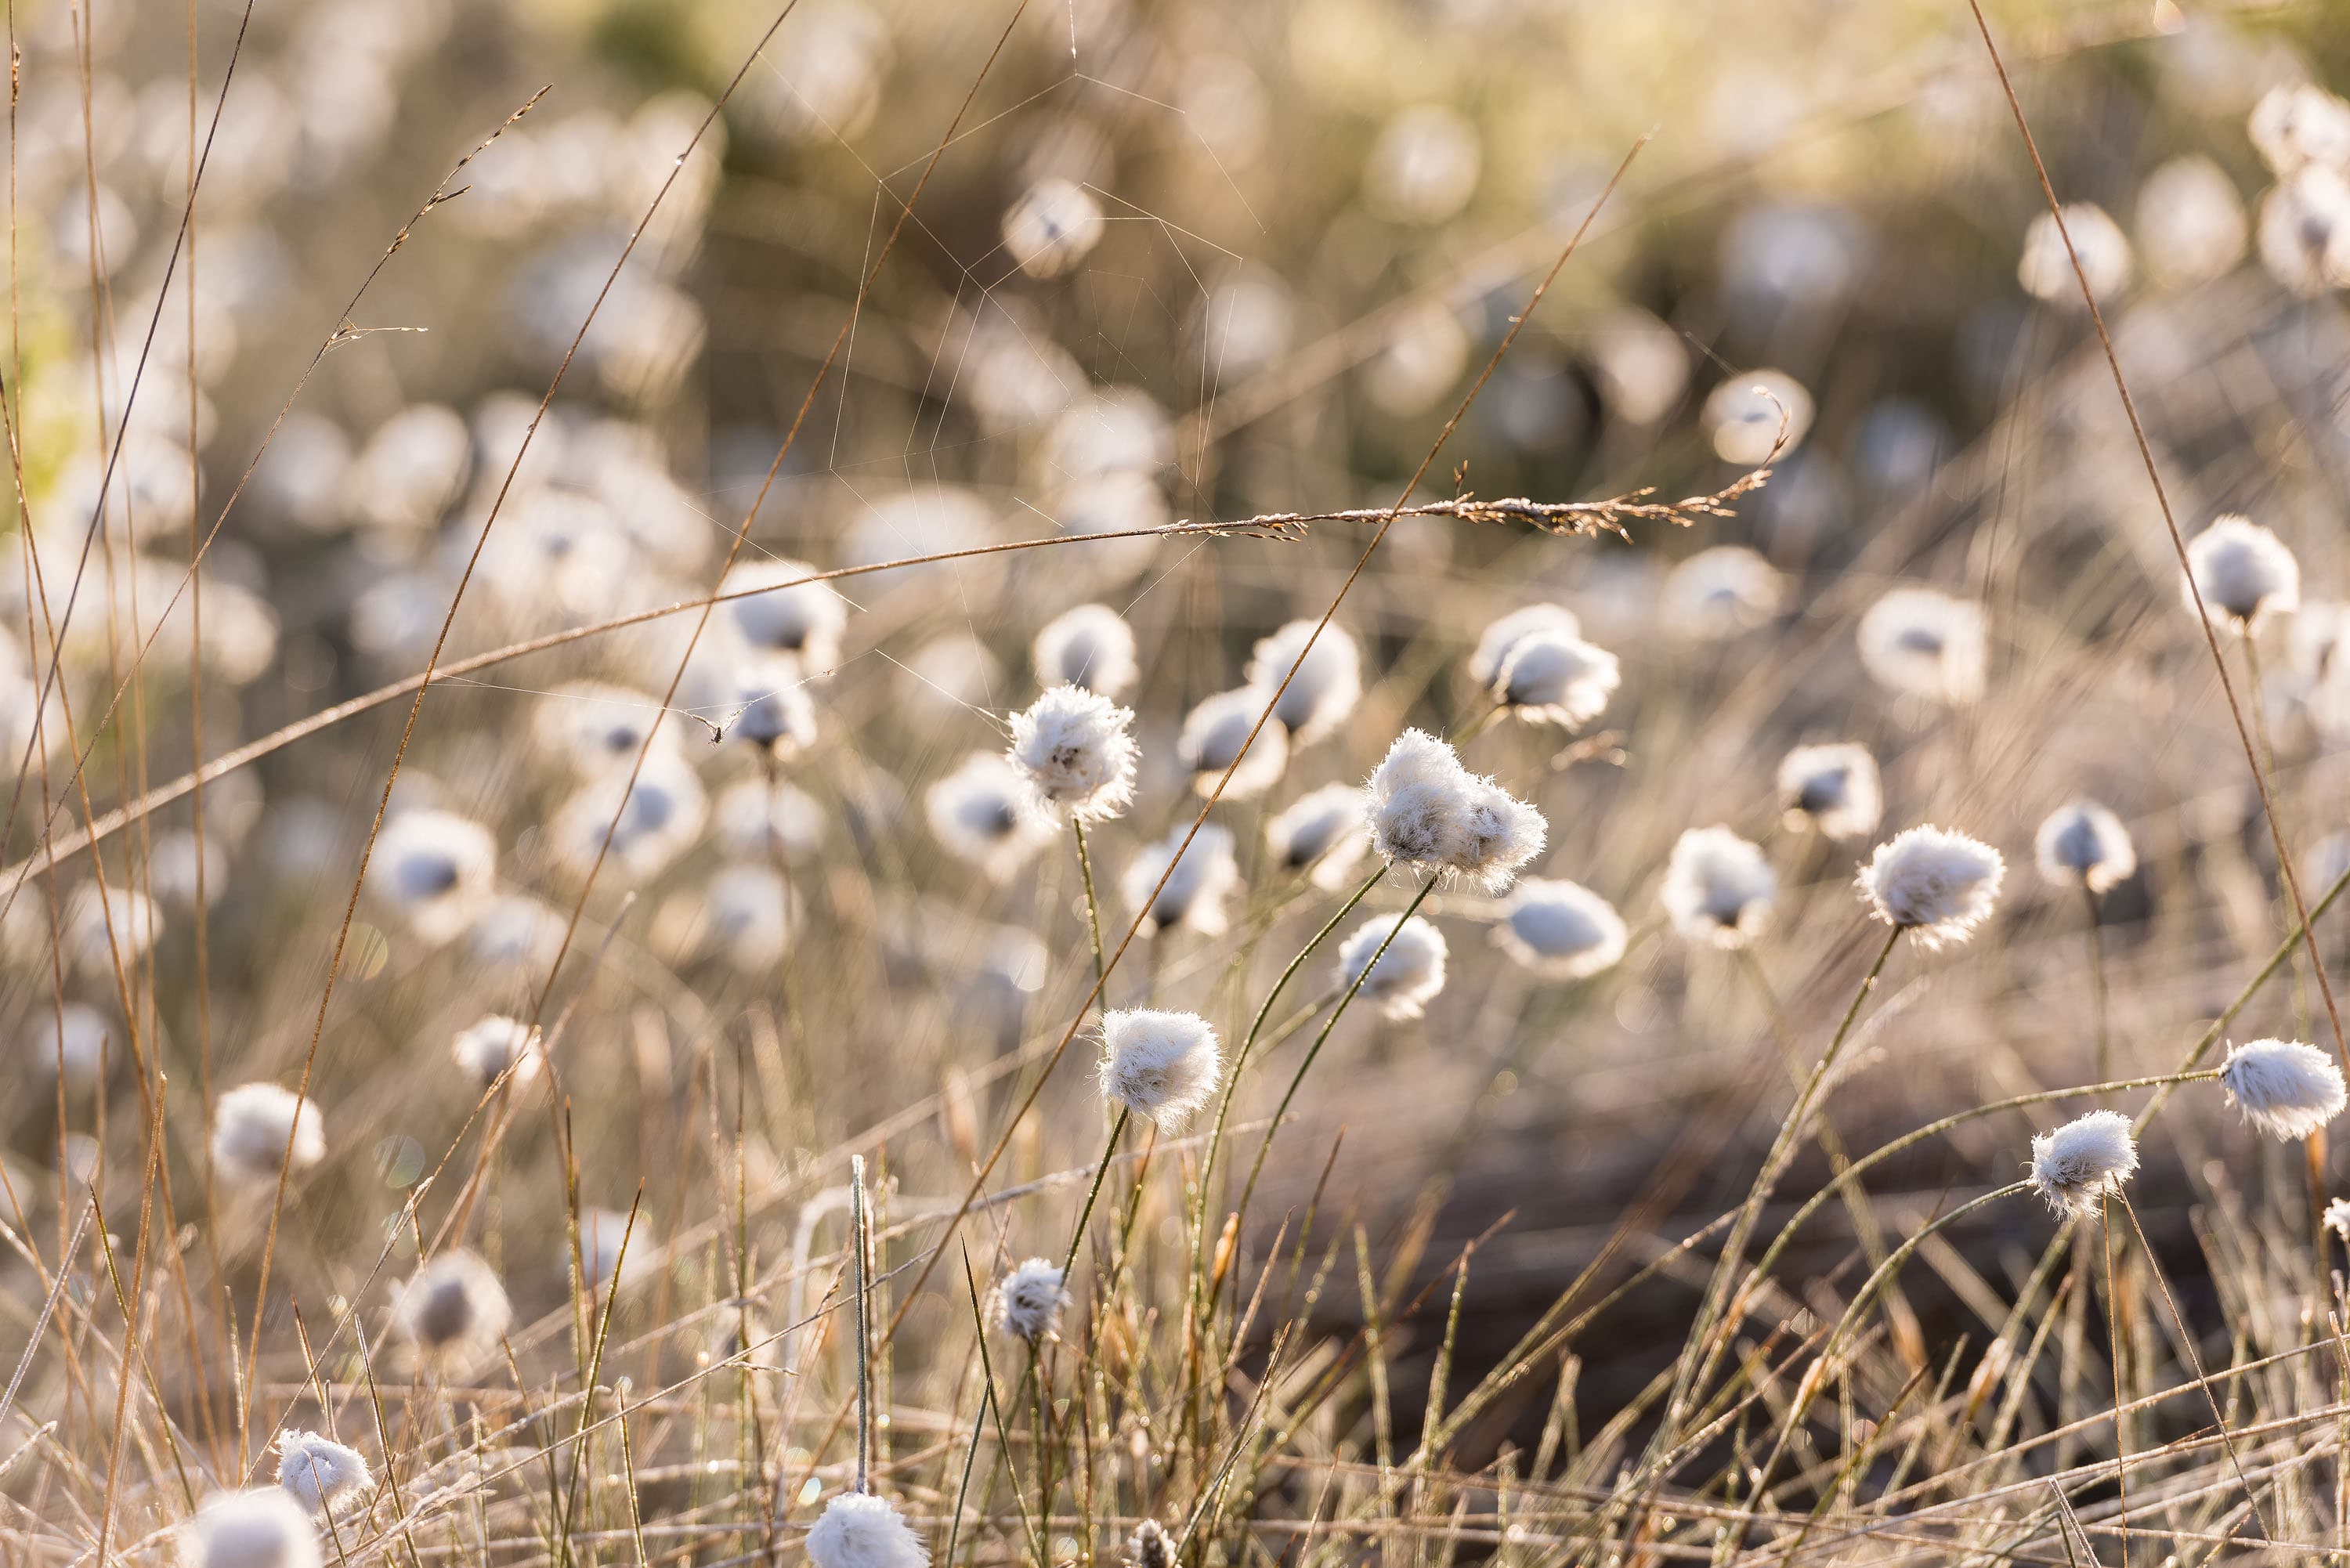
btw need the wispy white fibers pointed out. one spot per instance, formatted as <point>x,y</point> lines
<point>497,1045</point>
<point>262,1527</point>
<point>1834,788</point>
<point>1408,975</point>
<point>1150,1546</point>
<point>1561,930</point>
<point>796,617</point>
<point>1073,747</point>
<point>2077,1165</point>
<point>1194,896</point>
<point>1925,644</point>
<point>1428,811</point>
<point>2286,1089</point>
<point>649,823</point>
<point>1322,693</point>
<point>984,813</point>
<point>1090,647</point>
<point>2082,843</point>
<point>1936,885</point>
<point>2337,1218</point>
<point>1502,636</point>
<point>1162,1067</point>
<point>1322,829</point>
<point>317,1471</point>
<point>1027,1303</point>
<point>764,704</point>
<point>2243,572</point>
<point>453,1311</point>
<point>1215,731</point>
<point>252,1127</point>
<point>436,869</point>
<point>1552,676</point>
<point>1718,888</point>
<point>857,1530</point>
<point>2045,270</point>
<point>1720,592</point>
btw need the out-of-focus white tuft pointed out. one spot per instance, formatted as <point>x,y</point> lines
<point>102,922</point>
<point>1051,228</point>
<point>1322,829</point>
<point>1327,684</point>
<point>318,1472</point>
<point>1925,644</point>
<point>1426,810</point>
<point>2302,228</point>
<point>1834,788</point>
<point>1718,888</point>
<point>2082,843</point>
<point>436,869</point>
<point>589,726</point>
<point>2075,1166</point>
<point>795,615</point>
<point>1500,639</point>
<point>2299,123</point>
<point>1551,678</point>
<point>607,1242</point>
<point>1405,978</point>
<point>498,1045</point>
<point>984,813</point>
<point>1204,878</point>
<point>1561,930</point>
<point>74,1040</point>
<point>1936,885</point>
<point>1074,748</point>
<point>2045,270</point>
<point>1745,415</point>
<point>1150,1546</point>
<point>2191,225</point>
<point>262,1527</point>
<point>857,1530</point>
<point>2243,572</point>
<point>1720,592</point>
<point>2337,1219</point>
<point>1027,1303</point>
<point>452,1312</point>
<point>1090,647</point>
<point>252,1126</point>
<point>2286,1089</point>
<point>1215,731</point>
<point>648,823</point>
<point>1162,1067</point>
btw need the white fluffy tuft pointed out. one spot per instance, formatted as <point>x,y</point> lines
<point>1718,887</point>
<point>1027,1303</point>
<point>1427,810</point>
<point>2077,1165</point>
<point>857,1530</point>
<point>2286,1089</point>
<point>1074,748</point>
<point>1405,978</point>
<point>1561,930</point>
<point>1936,885</point>
<point>2082,843</point>
<point>1834,788</point>
<point>1162,1067</point>
<point>319,1472</point>
<point>2243,572</point>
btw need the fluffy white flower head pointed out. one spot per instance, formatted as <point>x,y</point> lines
<point>794,616</point>
<point>1722,591</point>
<point>1090,646</point>
<point>2243,572</point>
<point>857,1530</point>
<point>1551,678</point>
<point>1936,885</point>
<point>1493,649</point>
<point>1162,1067</point>
<point>2337,1218</point>
<point>2300,230</point>
<point>1923,643</point>
<point>984,813</point>
<point>2075,1166</point>
<point>1327,685</point>
<point>1074,748</point>
<point>262,1527</point>
<point>1406,977</point>
<point>319,1472</point>
<point>497,1044</point>
<point>1027,1303</point>
<point>2299,123</point>
<point>1215,731</point>
<point>1561,930</point>
<point>2045,270</point>
<point>2082,843</point>
<point>436,867</point>
<point>1322,829</point>
<point>1195,892</point>
<point>1427,810</point>
<point>1718,889</point>
<point>2286,1089</point>
<point>453,1311</point>
<point>1834,788</point>
<point>76,1038</point>
<point>252,1125</point>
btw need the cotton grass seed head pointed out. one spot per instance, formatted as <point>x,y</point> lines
<point>2084,845</point>
<point>1162,1067</point>
<point>2301,230</point>
<point>857,1530</point>
<point>609,1243</point>
<point>632,832</point>
<point>1551,678</point>
<point>984,814</point>
<point>499,1045</point>
<point>1718,889</point>
<point>1074,748</point>
<point>452,1312</point>
<point>1089,646</point>
<point>1493,649</point>
<point>1834,788</point>
<point>1720,592</point>
<point>1561,930</point>
<point>1428,811</point>
<point>795,615</point>
<point>318,1472</point>
<point>1150,1546</point>
<point>1325,686</point>
<point>2337,1218</point>
<point>1215,731</point>
<point>2045,270</point>
<point>2286,1089</point>
<point>262,1527</point>
<point>1406,977</point>
<point>1936,885</point>
<point>101,922</point>
<point>2243,572</point>
<point>73,1041</point>
<point>1204,878</point>
<point>1746,414</point>
<point>2299,123</point>
<point>1922,643</point>
<point>436,869</point>
<point>252,1127</point>
<point>1323,832</point>
<point>2078,1165</point>
<point>1027,1303</point>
